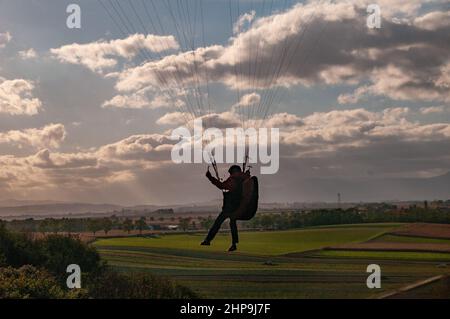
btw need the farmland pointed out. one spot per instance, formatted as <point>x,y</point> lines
<point>278,264</point>
<point>264,243</point>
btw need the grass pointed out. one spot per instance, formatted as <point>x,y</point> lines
<point>261,268</point>
<point>282,290</point>
<point>394,255</point>
<point>251,277</point>
<point>259,243</point>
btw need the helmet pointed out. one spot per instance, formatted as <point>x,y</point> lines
<point>234,169</point>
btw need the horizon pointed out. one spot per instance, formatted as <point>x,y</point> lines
<point>212,202</point>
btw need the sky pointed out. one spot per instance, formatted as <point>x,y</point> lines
<point>86,114</point>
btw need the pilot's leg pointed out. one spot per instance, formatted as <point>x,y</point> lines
<point>234,231</point>
<point>234,234</point>
<point>214,229</point>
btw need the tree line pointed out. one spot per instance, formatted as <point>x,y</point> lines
<point>104,225</point>
<point>322,217</point>
<point>274,220</point>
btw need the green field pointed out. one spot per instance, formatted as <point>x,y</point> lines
<point>261,243</point>
<point>269,264</point>
<point>393,255</point>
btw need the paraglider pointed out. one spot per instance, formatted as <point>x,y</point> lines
<point>253,69</point>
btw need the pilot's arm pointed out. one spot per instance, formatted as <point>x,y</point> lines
<point>226,185</point>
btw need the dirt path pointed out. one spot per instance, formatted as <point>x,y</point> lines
<point>408,288</point>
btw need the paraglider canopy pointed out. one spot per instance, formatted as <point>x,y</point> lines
<point>181,63</point>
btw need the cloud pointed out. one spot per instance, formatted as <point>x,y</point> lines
<point>48,171</point>
<point>222,120</point>
<point>170,72</point>
<point>45,159</point>
<point>101,55</point>
<point>249,99</point>
<point>433,109</point>
<point>400,9</point>
<point>321,145</point>
<point>51,135</point>
<point>443,81</point>
<point>274,37</point>
<point>139,147</point>
<point>231,119</point>
<point>142,99</point>
<point>359,129</point>
<point>400,83</point>
<point>312,43</point>
<point>282,121</point>
<point>325,132</point>
<point>318,43</point>
<point>16,97</point>
<point>28,54</point>
<point>174,118</point>
<point>352,98</point>
<point>433,20</point>
<point>4,39</point>
<point>309,44</point>
<point>244,19</point>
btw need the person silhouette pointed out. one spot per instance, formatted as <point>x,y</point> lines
<point>232,192</point>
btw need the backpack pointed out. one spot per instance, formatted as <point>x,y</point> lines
<point>249,200</point>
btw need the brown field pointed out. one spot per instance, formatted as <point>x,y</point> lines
<point>115,233</point>
<point>424,230</point>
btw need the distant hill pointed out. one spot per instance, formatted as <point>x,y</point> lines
<point>57,209</point>
<point>379,189</point>
<point>16,202</point>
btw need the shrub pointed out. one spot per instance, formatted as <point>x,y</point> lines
<point>28,282</point>
<point>60,251</point>
<point>17,249</point>
<point>114,285</point>
<point>37,269</point>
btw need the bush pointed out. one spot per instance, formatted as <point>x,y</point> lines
<point>114,285</point>
<point>17,249</point>
<point>60,251</point>
<point>42,272</point>
<point>28,282</point>
<point>54,253</point>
